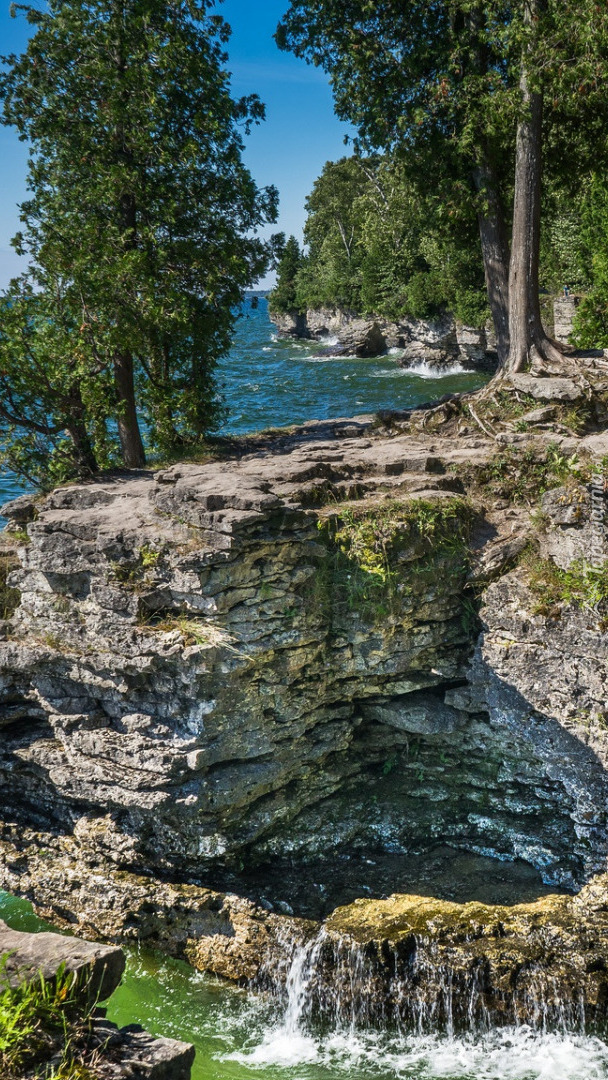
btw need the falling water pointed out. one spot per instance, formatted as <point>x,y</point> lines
<point>336,1029</point>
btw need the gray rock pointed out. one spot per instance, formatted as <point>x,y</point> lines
<point>97,968</point>
<point>420,714</point>
<point>547,389</point>
<point>20,510</point>
<point>540,416</point>
<point>132,1052</point>
<point>437,343</point>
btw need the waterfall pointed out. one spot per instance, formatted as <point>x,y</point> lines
<point>335,1012</point>
<point>409,987</point>
<point>301,975</point>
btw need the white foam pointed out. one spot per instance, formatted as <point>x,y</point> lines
<point>428,371</point>
<point>509,1054</point>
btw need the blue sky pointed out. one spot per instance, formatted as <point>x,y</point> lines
<point>289,150</point>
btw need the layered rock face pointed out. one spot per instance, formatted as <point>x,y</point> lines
<point>273,663</point>
<point>211,668</point>
<point>437,343</point>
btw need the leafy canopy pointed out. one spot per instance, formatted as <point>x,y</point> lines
<point>140,227</point>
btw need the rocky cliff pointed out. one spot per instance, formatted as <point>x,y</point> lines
<point>314,650</point>
<point>440,342</point>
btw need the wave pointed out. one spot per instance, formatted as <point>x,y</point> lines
<point>424,371</point>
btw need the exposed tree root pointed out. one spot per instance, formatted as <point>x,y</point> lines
<point>480,424</point>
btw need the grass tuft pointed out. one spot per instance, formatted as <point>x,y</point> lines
<point>43,1034</point>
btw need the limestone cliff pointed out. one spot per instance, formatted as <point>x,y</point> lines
<point>439,342</point>
<point>275,656</point>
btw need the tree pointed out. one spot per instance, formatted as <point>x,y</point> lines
<point>458,88</point>
<point>284,295</point>
<point>592,316</point>
<point>377,246</point>
<point>141,208</point>
<point>55,392</point>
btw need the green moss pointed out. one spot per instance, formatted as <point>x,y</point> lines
<point>402,916</point>
<point>133,574</point>
<point>379,556</point>
<point>10,598</point>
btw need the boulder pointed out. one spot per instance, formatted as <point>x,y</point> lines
<point>97,969</point>
<point>547,389</point>
<point>20,510</point>
<point>132,1052</point>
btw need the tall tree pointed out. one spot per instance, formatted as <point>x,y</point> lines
<point>457,87</point>
<point>284,295</point>
<point>141,206</point>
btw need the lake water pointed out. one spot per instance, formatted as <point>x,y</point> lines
<point>270,382</point>
<point>239,1035</point>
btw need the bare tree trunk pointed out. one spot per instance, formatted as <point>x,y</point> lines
<point>495,251</point>
<point>528,340</point>
<point>132,447</point>
<point>133,453</point>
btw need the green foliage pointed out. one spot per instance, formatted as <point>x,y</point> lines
<point>591,325</point>
<point>41,1035</point>
<point>377,556</point>
<point>140,231</point>
<point>581,586</point>
<point>439,86</point>
<point>284,296</point>
<point>376,246</point>
<point>566,257</point>
<point>521,476</point>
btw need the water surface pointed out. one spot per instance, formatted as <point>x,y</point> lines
<point>269,381</point>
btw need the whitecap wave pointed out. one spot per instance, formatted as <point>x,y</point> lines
<point>429,371</point>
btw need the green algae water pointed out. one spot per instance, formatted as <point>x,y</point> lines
<point>245,1036</point>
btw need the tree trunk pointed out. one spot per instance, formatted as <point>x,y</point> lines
<point>133,453</point>
<point>77,430</point>
<point>495,251</point>
<point>528,340</point>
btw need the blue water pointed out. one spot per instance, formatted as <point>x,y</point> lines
<point>273,382</point>
<point>267,382</point>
